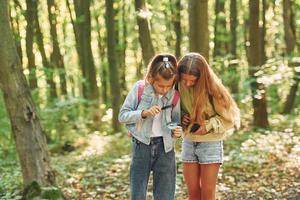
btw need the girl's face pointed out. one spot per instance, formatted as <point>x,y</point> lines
<point>161,85</point>
<point>188,80</point>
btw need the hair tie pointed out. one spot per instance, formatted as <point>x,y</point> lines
<point>166,60</point>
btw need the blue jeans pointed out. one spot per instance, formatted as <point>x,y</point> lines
<point>152,157</point>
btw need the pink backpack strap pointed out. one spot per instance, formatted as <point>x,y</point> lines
<point>141,86</point>
<point>175,98</point>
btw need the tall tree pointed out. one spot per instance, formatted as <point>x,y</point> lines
<point>113,70</point>
<point>198,25</point>
<point>290,42</point>
<point>144,30</point>
<point>82,30</point>
<point>233,26</point>
<point>263,33</point>
<point>168,24</point>
<point>220,32</point>
<point>48,68</point>
<point>177,26</point>
<point>103,69</point>
<point>83,26</point>
<point>15,25</point>
<point>234,79</point>
<point>56,57</point>
<point>258,90</point>
<point>29,43</point>
<point>121,30</point>
<point>26,128</point>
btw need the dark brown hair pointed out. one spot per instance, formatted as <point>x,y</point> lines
<point>166,69</point>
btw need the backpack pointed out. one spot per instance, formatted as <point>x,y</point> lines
<point>141,87</point>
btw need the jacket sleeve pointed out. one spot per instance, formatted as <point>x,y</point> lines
<point>176,113</point>
<point>128,113</point>
<point>223,121</point>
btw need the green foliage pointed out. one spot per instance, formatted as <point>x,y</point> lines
<point>10,174</point>
<point>5,131</point>
<point>32,191</point>
<point>66,119</point>
<point>275,74</point>
<point>35,192</point>
<point>52,193</point>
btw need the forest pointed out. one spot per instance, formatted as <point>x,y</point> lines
<point>66,67</point>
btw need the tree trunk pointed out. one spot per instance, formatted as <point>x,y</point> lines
<point>246,35</point>
<point>27,131</point>
<point>198,24</point>
<point>168,35</point>
<point>15,25</point>
<point>113,70</point>
<point>233,27</point>
<point>220,29</point>
<point>234,80</point>
<point>82,30</point>
<point>83,26</point>
<point>121,36</point>
<point>289,103</point>
<point>177,26</point>
<point>138,63</point>
<point>144,31</point>
<point>56,57</point>
<point>103,65</point>
<point>71,78</point>
<point>290,42</point>
<point>289,27</point>
<point>263,33</point>
<point>258,90</point>
<point>48,68</point>
<point>29,43</point>
<point>123,49</point>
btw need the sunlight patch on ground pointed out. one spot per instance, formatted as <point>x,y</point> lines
<point>96,145</point>
<point>108,115</point>
<point>283,145</point>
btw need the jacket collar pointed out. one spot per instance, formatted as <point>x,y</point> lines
<point>150,90</point>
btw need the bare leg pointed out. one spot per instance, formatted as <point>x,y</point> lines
<point>191,173</point>
<point>208,179</point>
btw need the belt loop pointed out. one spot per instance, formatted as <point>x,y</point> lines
<point>156,140</point>
<point>195,144</point>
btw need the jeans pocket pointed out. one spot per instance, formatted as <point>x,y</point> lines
<point>135,144</point>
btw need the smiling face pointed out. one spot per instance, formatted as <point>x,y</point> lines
<point>161,85</point>
<point>188,80</point>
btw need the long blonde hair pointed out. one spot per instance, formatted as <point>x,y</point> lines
<point>207,84</point>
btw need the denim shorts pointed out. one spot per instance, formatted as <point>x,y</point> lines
<point>202,152</point>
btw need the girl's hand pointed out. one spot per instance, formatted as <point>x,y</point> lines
<point>186,119</point>
<point>202,130</point>
<point>176,133</point>
<point>154,110</point>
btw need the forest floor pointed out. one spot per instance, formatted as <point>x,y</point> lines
<point>259,165</point>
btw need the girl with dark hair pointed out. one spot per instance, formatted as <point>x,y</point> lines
<point>146,115</point>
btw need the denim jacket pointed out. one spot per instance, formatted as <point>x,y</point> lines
<point>131,110</point>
